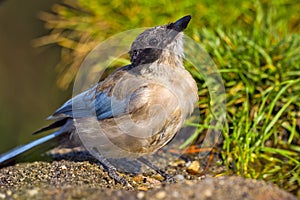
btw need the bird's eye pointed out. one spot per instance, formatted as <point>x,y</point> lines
<point>153,41</point>
<point>136,52</point>
<point>133,52</point>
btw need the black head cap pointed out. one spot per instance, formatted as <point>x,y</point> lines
<point>149,45</point>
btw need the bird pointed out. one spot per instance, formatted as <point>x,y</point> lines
<point>134,111</point>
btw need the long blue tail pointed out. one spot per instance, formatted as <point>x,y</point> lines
<point>42,144</point>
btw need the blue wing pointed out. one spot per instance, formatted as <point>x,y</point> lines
<point>86,104</point>
<point>106,99</point>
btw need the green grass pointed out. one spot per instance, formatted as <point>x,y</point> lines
<point>260,70</point>
<point>255,45</point>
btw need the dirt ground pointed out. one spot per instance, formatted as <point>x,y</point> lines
<point>76,175</point>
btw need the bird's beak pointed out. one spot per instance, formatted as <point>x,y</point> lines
<point>181,24</point>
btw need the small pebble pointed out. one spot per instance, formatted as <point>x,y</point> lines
<point>207,193</point>
<point>161,195</point>
<point>139,178</point>
<point>63,167</point>
<point>158,177</point>
<point>194,168</point>
<point>2,196</point>
<point>143,188</point>
<point>32,192</point>
<point>175,194</point>
<point>179,178</point>
<point>177,163</point>
<point>140,195</point>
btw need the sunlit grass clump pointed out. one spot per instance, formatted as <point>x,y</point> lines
<point>262,81</point>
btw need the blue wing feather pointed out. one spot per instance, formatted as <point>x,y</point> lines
<point>86,104</point>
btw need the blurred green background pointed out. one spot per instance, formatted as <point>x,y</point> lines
<point>27,74</point>
<point>255,44</point>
